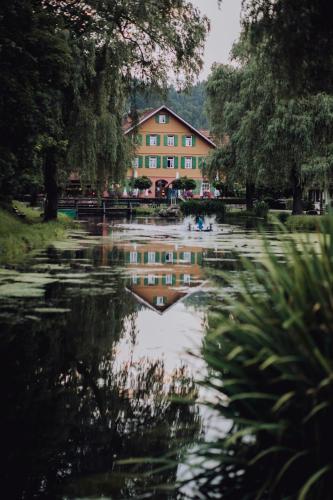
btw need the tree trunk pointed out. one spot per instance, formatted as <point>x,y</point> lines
<point>51,186</point>
<point>297,192</point>
<point>249,195</point>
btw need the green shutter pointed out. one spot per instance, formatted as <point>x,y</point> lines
<point>163,280</point>
<point>163,257</point>
<point>176,161</point>
<point>200,162</point>
<point>176,140</point>
<point>145,257</point>
<point>194,162</point>
<point>181,255</point>
<point>127,256</point>
<point>138,281</point>
<point>175,257</point>
<point>167,118</point>
<point>158,163</point>
<point>165,300</point>
<point>165,140</point>
<point>140,139</point>
<point>165,162</point>
<point>157,257</point>
<point>192,258</point>
<point>157,118</point>
<point>147,140</point>
<point>184,140</point>
<point>139,257</point>
<point>183,162</point>
<point>194,139</point>
<point>174,279</point>
<point>147,161</point>
<point>182,278</point>
<point>158,140</point>
<point>199,258</point>
<point>140,161</point>
<point>145,281</point>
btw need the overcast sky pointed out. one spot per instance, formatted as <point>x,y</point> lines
<point>225,28</point>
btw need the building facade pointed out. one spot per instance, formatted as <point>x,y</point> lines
<point>168,148</point>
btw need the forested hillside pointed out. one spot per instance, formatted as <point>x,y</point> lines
<point>189,105</point>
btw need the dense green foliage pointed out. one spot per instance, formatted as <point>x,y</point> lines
<point>295,37</point>
<point>269,351</point>
<point>65,73</point>
<point>189,103</point>
<point>142,183</point>
<point>184,183</point>
<point>268,140</point>
<point>203,207</point>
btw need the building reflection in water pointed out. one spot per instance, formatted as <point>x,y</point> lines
<point>159,274</point>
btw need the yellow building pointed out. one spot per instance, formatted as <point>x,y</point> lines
<point>169,148</point>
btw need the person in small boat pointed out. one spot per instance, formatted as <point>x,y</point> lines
<point>200,223</point>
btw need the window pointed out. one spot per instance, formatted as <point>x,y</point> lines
<point>171,162</point>
<point>161,119</point>
<point>151,279</point>
<point>171,140</point>
<point>160,301</point>
<point>187,257</point>
<point>168,279</point>
<point>136,162</point>
<point>152,162</point>
<point>153,140</point>
<point>188,140</point>
<point>133,257</point>
<point>188,162</point>
<point>205,186</point>
<point>135,280</point>
<point>169,257</point>
<point>151,257</point>
<point>187,279</point>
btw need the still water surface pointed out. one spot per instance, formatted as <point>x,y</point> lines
<point>95,335</point>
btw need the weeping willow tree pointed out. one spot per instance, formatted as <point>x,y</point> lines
<point>274,140</point>
<point>116,42</point>
<point>71,67</point>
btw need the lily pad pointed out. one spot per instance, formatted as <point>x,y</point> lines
<point>21,290</point>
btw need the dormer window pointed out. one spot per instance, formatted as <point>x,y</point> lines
<point>162,119</point>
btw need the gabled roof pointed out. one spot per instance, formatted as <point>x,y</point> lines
<point>149,114</point>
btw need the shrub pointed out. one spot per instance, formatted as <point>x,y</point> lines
<point>261,209</point>
<point>142,183</point>
<point>184,183</point>
<point>304,222</point>
<point>204,207</point>
<point>270,365</point>
<point>219,185</point>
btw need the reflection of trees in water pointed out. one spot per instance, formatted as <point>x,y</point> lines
<point>68,413</point>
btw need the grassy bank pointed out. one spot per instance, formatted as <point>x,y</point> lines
<point>305,222</point>
<point>20,235</point>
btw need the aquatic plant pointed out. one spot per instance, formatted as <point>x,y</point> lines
<point>269,353</point>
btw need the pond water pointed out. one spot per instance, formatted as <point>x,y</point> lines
<point>95,335</point>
